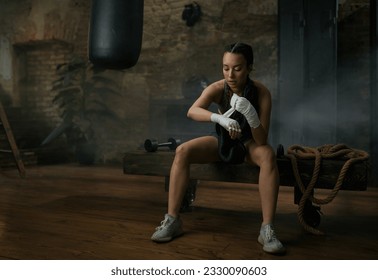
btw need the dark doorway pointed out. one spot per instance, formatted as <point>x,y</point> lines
<point>307,72</point>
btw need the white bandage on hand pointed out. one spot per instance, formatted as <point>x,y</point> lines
<point>242,105</point>
<point>227,123</point>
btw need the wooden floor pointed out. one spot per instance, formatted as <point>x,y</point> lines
<point>97,212</point>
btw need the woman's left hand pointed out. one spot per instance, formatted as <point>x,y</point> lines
<point>242,105</point>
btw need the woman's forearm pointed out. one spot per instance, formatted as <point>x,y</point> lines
<point>199,114</point>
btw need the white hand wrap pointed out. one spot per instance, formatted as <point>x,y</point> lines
<point>242,105</point>
<point>227,123</point>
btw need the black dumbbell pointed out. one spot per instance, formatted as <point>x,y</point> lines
<point>151,145</point>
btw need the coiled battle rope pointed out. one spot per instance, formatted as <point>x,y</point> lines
<point>338,151</point>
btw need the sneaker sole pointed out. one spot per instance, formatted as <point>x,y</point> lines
<point>167,239</point>
<point>275,252</point>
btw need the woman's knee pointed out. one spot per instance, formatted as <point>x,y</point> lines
<point>198,150</point>
<point>264,155</point>
<point>182,152</point>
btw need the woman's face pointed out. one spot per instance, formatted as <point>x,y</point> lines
<point>235,71</point>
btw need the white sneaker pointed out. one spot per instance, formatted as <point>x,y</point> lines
<point>268,239</point>
<point>169,228</point>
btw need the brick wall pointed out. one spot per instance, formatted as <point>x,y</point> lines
<point>171,54</point>
<point>31,114</point>
<point>36,70</point>
<point>42,33</point>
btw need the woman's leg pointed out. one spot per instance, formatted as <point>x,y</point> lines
<point>199,150</point>
<point>265,158</point>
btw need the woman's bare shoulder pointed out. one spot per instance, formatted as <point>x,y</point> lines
<point>261,86</point>
<point>214,90</point>
<point>216,86</point>
<point>262,89</point>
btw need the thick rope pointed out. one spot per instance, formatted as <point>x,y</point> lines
<point>339,151</point>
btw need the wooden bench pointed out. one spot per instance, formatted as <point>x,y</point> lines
<point>159,164</point>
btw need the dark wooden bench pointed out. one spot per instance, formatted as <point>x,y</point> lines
<point>159,164</point>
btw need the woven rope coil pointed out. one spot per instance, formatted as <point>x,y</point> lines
<point>338,151</point>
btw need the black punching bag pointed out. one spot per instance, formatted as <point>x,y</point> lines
<point>115,33</point>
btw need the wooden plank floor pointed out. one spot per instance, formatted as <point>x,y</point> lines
<point>97,212</point>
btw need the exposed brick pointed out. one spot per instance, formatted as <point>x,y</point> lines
<point>45,36</point>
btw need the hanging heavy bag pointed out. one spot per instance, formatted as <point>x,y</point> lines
<point>115,33</point>
<point>230,150</point>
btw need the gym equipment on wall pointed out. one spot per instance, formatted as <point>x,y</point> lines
<point>115,33</point>
<point>191,14</point>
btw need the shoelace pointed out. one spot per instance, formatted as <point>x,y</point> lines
<point>162,224</point>
<point>270,235</point>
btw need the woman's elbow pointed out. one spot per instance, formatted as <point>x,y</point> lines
<point>189,113</point>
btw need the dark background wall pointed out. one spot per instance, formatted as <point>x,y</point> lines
<point>36,35</point>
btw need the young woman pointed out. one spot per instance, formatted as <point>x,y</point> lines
<point>252,101</point>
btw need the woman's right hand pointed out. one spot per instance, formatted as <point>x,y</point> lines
<point>231,125</point>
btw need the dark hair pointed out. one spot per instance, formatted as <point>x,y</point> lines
<point>241,48</point>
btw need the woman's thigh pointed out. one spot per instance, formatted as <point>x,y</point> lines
<point>199,150</point>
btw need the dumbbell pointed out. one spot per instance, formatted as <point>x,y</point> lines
<point>151,145</point>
